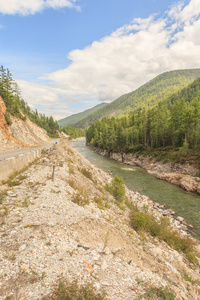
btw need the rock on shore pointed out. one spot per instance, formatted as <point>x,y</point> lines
<point>174,173</point>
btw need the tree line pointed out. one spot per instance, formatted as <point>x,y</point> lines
<point>16,106</point>
<point>174,122</point>
<point>73,132</point>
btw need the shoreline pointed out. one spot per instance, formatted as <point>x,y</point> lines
<point>180,175</point>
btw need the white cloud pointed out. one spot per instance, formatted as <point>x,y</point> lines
<point>26,7</point>
<point>129,57</point>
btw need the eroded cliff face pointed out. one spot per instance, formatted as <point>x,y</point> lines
<point>28,132</point>
<point>7,141</point>
<point>20,133</point>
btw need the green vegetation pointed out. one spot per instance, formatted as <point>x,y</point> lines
<point>146,96</point>
<point>73,291</point>
<point>86,173</point>
<point>157,294</point>
<point>2,196</point>
<point>190,279</point>
<point>143,221</point>
<point>69,121</point>
<point>172,125</point>
<point>16,106</point>
<point>73,132</point>
<point>81,197</point>
<point>117,188</point>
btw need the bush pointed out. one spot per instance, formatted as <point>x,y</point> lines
<point>81,197</point>
<point>2,196</point>
<point>117,188</point>
<point>184,149</point>
<point>8,118</point>
<point>158,294</point>
<point>73,291</point>
<point>140,220</point>
<point>86,173</point>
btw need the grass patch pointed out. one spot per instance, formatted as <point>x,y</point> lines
<point>2,197</point>
<point>143,221</point>
<point>26,202</point>
<point>158,294</point>
<point>190,279</point>
<point>72,183</point>
<point>54,191</point>
<point>86,173</point>
<point>81,197</point>
<point>71,169</point>
<point>66,290</point>
<point>100,202</point>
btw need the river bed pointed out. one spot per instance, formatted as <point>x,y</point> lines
<point>137,179</point>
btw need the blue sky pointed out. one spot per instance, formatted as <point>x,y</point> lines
<point>69,55</point>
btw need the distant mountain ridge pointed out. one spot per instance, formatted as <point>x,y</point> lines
<point>149,94</point>
<point>79,116</point>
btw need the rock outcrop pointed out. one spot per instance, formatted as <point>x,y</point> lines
<point>7,141</point>
<point>185,181</point>
<point>28,132</point>
<point>20,133</point>
<point>173,173</point>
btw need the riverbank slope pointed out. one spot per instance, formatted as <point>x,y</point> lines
<point>73,226</point>
<point>183,175</point>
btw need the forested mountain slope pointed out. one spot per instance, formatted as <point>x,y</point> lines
<point>78,117</point>
<point>17,107</point>
<point>148,95</point>
<point>173,123</point>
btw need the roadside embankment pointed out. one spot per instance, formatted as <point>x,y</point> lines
<point>75,227</point>
<point>175,173</point>
<point>17,163</point>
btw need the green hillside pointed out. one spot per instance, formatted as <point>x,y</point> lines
<point>16,106</point>
<point>170,127</point>
<point>148,95</point>
<point>78,117</point>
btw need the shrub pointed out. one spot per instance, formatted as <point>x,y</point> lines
<point>72,290</point>
<point>81,197</point>
<point>158,294</point>
<point>117,188</point>
<point>2,196</point>
<point>140,220</point>
<point>8,118</point>
<point>184,149</point>
<point>86,173</point>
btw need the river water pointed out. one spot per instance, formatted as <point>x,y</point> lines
<point>184,204</point>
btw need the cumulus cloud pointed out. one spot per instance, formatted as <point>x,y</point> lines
<point>25,7</point>
<point>133,54</point>
<point>129,57</point>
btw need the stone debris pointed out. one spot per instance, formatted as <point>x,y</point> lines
<point>45,233</point>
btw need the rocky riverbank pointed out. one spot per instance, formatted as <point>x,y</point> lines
<point>181,175</point>
<point>72,226</point>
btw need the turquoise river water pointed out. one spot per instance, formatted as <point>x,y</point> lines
<point>184,204</point>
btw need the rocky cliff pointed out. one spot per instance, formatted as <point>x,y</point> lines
<point>20,133</point>
<point>74,227</point>
<point>7,141</point>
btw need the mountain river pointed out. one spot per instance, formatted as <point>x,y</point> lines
<point>184,204</point>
